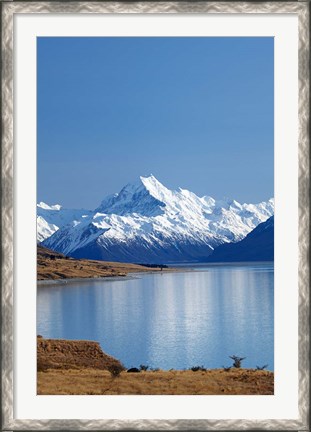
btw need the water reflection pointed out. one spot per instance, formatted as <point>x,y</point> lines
<point>173,320</point>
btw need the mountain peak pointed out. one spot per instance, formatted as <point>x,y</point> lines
<point>155,188</point>
<point>145,196</point>
<point>150,176</point>
<point>45,206</point>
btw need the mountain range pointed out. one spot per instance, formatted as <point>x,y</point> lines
<point>148,223</point>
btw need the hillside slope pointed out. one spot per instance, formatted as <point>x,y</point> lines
<point>258,245</point>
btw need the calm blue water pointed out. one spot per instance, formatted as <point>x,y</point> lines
<point>173,320</point>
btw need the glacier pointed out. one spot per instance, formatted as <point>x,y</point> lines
<point>148,223</point>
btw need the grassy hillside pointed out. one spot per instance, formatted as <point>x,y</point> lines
<point>54,265</point>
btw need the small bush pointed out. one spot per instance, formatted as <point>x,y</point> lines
<point>198,368</point>
<point>237,361</point>
<point>261,367</point>
<point>115,370</point>
<point>143,367</point>
<point>133,370</point>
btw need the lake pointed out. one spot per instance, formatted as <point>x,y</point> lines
<point>169,320</point>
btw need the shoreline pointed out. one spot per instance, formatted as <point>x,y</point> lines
<point>136,273</point>
<point>116,278</point>
<point>69,281</point>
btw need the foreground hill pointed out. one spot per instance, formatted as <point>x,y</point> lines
<point>54,265</point>
<point>81,368</point>
<point>258,245</point>
<point>147,222</point>
<point>71,354</point>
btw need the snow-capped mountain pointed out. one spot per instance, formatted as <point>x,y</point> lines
<point>148,223</point>
<point>51,218</point>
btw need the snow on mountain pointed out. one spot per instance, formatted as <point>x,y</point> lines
<point>44,229</point>
<point>51,218</point>
<point>43,205</point>
<point>146,222</point>
<point>144,196</point>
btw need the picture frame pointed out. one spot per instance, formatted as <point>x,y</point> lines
<point>10,9</point>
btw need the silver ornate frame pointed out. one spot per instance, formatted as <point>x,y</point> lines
<point>9,8</point>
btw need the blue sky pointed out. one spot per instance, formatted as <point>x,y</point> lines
<point>197,113</point>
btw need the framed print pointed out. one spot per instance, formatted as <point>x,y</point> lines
<point>147,149</point>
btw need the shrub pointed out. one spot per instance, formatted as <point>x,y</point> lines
<point>261,367</point>
<point>237,361</point>
<point>198,368</point>
<point>133,370</point>
<point>143,367</point>
<point>115,370</point>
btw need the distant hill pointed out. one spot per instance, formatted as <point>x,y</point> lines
<point>258,245</point>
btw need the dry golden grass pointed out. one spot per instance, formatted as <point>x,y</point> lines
<point>54,265</point>
<point>100,382</point>
<point>82,368</point>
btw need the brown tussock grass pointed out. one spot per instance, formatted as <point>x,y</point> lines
<point>211,382</point>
